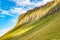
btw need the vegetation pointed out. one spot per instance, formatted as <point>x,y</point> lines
<point>42,24</point>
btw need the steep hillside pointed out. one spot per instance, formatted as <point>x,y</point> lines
<point>40,23</point>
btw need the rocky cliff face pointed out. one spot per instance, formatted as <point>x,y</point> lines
<point>36,13</point>
<point>40,23</point>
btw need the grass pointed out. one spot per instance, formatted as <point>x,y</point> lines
<point>45,28</point>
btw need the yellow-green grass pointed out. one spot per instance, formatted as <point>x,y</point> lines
<point>46,28</point>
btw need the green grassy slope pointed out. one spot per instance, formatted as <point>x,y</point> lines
<point>45,28</point>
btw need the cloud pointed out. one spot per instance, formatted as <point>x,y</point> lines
<point>22,6</point>
<point>5,12</point>
<point>21,2</point>
<point>40,3</point>
<point>26,5</point>
<point>17,10</point>
<point>28,2</point>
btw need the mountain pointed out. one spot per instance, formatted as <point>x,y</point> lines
<point>40,23</point>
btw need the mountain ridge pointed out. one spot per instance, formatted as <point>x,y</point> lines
<point>22,27</point>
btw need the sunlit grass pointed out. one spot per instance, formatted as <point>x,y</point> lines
<point>45,28</point>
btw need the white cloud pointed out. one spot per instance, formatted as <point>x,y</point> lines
<point>41,3</point>
<point>23,3</point>
<point>26,3</point>
<point>5,12</point>
<point>17,10</point>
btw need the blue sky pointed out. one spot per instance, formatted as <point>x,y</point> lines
<point>11,9</point>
